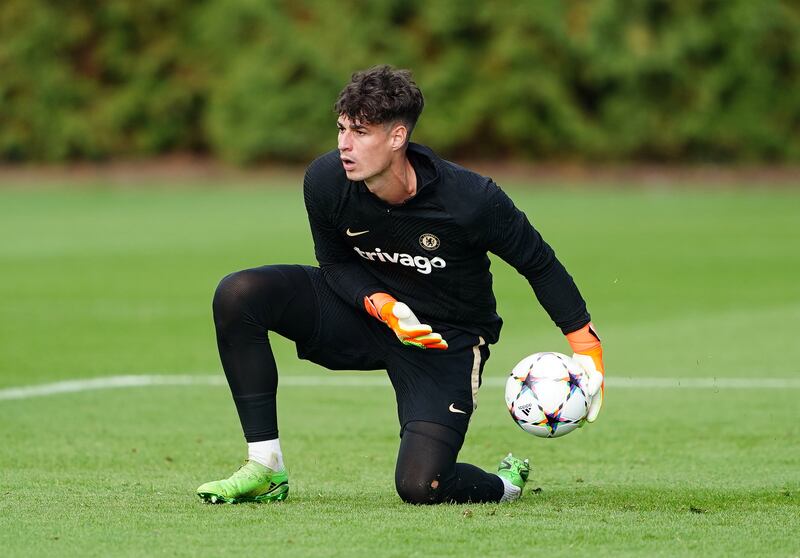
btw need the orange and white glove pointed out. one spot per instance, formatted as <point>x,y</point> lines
<point>399,317</point>
<point>589,354</point>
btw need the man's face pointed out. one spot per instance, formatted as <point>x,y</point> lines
<point>364,149</point>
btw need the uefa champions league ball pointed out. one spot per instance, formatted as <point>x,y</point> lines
<point>546,395</point>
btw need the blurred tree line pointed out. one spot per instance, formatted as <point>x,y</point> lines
<point>255,80</point>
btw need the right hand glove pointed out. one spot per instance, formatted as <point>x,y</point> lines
<point>595,384</point>
<point>402,321</point>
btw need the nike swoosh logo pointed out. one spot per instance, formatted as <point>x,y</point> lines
<point>454,410</point>
<point>350,233</point>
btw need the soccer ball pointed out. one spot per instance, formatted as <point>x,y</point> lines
<point>546,395</point>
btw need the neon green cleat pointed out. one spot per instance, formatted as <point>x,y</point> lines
<point>514,470</point>
<point>251,483</point>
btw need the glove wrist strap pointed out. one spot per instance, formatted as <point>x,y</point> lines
<point>585,341</point>
<point>374,304</point>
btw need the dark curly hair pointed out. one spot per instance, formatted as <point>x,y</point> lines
<point>381,95</point>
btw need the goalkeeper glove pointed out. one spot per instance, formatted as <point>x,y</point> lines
<point>589,354</point>
<point>399,317</point>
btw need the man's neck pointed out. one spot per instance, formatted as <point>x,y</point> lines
<point>396,184</point>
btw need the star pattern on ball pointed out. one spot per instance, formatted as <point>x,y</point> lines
<point>575,382</point>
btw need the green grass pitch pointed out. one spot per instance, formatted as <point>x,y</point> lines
<point>682,283</point>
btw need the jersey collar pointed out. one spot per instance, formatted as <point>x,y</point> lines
<point>425,163</point>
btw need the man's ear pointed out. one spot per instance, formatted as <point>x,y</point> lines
<point>398,136</point>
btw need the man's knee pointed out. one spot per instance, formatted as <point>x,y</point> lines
<point>246,294</point>
<point>276,298</point>
<point>416,488</point>
<point>234,292</point>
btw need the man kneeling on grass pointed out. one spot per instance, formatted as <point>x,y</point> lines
<point>403,285</point>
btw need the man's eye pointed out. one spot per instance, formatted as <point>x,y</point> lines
<point>361,132</point>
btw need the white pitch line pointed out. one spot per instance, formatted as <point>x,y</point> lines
<point>362,381</point>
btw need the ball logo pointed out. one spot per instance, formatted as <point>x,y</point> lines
<point>429,241</point>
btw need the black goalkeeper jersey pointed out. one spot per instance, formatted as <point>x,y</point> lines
<point>431,251</point>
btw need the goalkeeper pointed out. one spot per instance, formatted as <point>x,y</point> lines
<point>403,285</point>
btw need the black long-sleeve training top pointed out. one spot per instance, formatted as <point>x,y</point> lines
<point>431,251</point>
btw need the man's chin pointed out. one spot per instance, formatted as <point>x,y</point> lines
<point>354,175</point>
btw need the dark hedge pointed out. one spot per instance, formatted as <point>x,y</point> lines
<point>254,80</point>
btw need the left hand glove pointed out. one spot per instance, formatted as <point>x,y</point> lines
<point>589,354</point>
<point>402,321</point>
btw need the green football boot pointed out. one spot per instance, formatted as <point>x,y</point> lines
<point>251,483</point>
<point>514,470</point>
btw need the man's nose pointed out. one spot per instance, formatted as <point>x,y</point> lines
<point>345,143</point>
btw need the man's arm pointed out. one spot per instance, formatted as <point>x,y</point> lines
<point>505,230</point>
<point>508,233</point>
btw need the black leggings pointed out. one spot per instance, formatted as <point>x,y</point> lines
<point>280,298</point>
<point>247,305</point>
<point>427,472</point>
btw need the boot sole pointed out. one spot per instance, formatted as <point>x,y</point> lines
<point>282,494</point>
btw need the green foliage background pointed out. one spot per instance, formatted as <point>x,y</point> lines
<point>254,80</point>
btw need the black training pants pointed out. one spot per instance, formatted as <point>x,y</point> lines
<point>435,390</point>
